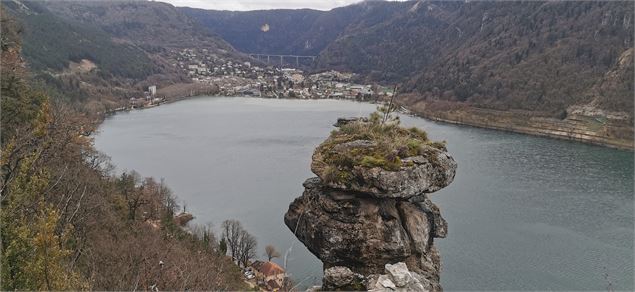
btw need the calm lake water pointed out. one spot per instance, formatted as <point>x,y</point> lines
<point>524,213</point>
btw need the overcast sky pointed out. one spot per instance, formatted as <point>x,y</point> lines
<point>260,4</point>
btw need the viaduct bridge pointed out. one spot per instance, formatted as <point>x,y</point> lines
<point>274,58</point>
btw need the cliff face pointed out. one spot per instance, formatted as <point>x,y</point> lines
<point>376,218</point>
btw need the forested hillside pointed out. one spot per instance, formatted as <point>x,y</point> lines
<point>67,223</point>
<point>99,54</point>
<point>536,55</point>
<point>54,48</point>
<point>296,32</point>
<point>265,31</point>
<point>154,26</point>
<point>567,61</point>
<point>531,56</point>
<point>50,42</point>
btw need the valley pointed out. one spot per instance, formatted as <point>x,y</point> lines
<point>425,122</point>
<point>498,66</point>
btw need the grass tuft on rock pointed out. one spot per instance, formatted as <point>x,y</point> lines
<point>378,141</point>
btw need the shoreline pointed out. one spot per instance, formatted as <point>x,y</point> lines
<point>537,132</point>
<point>551,130</point>
<point>560,134</point>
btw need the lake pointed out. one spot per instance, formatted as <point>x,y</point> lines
<point>524,212</point>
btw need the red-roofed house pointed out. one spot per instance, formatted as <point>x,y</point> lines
<point>272,285</point>
<point>269,273</point>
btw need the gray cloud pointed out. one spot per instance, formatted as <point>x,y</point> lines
<point>260,4</point>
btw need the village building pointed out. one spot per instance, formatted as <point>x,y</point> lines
<point>153,90</point>
<point>246,78</point>
<point>297,78</point>
<point>269,274</point>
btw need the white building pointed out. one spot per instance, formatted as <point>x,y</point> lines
<point>153,90</point>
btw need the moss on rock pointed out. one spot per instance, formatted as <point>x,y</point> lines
<point>371,142</point>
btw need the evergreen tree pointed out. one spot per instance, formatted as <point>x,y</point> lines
<point>223,246</point>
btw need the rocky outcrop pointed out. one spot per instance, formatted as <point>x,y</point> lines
<point>183,218</point>
<point>382,218</point>
<point>342,279</point>
<point>398,278</point>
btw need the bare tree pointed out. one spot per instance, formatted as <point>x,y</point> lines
<point>232,233</point>
<point>132,192</point>
<point>240,243</point>
<point>271,252</point>
<point>246,248</point>
<point>168,198</point>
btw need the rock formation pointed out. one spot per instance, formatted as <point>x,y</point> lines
<point>360,227</point>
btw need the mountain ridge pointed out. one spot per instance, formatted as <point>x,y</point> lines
<point>553,60</point>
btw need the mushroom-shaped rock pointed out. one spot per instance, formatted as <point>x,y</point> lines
<point>367,215</point>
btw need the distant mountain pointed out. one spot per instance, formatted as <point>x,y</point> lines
<point>154,26</point>
<point>266,31</point>
<point>570,61</point>
<point>287,31</point>
<point>537,56</point>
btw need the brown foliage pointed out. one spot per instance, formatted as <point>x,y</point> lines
<point>109,233</point>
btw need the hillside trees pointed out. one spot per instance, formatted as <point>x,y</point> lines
<point>242,245</point>
<point>35,254</point>
<point>246,248</point>
<point>34,249</point>
<point>66,41</point>
<point>67,223</point>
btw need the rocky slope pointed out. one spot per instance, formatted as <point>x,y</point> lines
<point>374,219</point>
